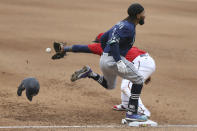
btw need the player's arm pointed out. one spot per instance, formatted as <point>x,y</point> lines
<point>119,35</point>
<point>77,49</point>
<point>61,49</point>
<point>94,48</point>
<point>115,52</point>
<point>113,42</point>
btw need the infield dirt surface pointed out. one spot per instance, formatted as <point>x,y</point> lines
<point>29,27</point>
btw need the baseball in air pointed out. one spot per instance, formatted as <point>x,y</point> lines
<point>48,50</point>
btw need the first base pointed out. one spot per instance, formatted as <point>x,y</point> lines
<point>147,123</point>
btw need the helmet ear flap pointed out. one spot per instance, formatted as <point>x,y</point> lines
<point>29,96</point>
<point>21,88</point>
<point>30,92</point>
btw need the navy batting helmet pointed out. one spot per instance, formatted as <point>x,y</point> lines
<point>32,87</point>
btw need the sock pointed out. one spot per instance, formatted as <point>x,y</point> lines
<point>100,79</point>
<point>133,100</point>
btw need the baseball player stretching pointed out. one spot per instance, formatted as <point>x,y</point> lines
<point>115,43</point>
<point>142,61</point>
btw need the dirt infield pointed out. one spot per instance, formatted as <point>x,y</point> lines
<point>109,129</point>
<point>28,27</point>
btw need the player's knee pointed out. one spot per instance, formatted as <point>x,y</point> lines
<point>106,85</point>
<point>110,86</point>
<point>140,80</point>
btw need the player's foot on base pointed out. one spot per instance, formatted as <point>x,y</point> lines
<point>135,117</point>
<point>142,111</point>
<point>82,73</point>
<point>119,107</point>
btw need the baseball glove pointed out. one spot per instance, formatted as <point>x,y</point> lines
<point>58,49</point>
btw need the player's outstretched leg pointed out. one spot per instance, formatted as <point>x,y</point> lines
<point>87,72</point>
<point>82,73</point>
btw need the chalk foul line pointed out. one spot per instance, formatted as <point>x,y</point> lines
<point>91,126</point>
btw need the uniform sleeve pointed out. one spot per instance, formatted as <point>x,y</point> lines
<point>95,48</point>
<point>81,49</point>
<point>120,34</point>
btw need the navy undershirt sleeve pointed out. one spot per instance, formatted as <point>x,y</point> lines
<point>81,48</point>
<point>115,52</point>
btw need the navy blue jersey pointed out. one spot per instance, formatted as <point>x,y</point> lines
<point>119,39</point>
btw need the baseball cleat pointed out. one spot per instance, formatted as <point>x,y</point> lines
<point>141,111</point>
<point>135,117</point>
<point>119,108</point>
<point>82,73</point>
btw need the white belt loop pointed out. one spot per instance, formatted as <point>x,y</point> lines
<point>105,54</point>
<point>143,55</point>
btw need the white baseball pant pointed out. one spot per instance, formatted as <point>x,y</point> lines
<point>146,66</point>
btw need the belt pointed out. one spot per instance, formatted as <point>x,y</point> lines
<point>143,55</point>
<point>107,54</point>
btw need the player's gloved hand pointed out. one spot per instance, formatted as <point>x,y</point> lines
<point>58,56</point>
<point>121,67</point>
<point>59,49</point>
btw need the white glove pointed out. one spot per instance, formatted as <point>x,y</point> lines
<point>121,67</point>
